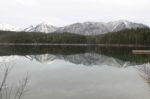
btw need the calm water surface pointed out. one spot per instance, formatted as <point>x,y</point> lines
<point>100,73</point>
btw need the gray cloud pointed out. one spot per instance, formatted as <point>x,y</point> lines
<point>62,12</point>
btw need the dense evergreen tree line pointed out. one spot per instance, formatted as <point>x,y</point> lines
<point>24,37</point>
<point>128,36</point>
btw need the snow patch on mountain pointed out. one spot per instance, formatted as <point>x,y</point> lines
<point>7,27</point>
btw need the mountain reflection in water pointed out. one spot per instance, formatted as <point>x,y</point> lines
<point>87,59</point>
<point>79,72</point>
<point>87,55</point>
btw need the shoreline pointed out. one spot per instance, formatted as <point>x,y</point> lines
<point>57,44</point>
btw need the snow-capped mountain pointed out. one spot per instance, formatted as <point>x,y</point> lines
<point>124,24</point>
<point>93,28</point>
<point>42,27</point>
<point>86,28</point>
<point>7,27</point>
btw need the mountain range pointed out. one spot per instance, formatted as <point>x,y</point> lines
<point>85,28</point>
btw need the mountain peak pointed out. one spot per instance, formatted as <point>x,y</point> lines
<point>42,27</point>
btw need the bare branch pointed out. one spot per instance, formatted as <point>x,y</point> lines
<point>8,92</point>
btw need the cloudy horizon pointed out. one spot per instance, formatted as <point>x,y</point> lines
<point>63,12</point>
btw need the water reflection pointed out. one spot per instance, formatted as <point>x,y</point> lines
<point>53,52</point>
<point>87,59</point>
<point>11,90</point>
<point>80,72</point>
<point>144,71</point>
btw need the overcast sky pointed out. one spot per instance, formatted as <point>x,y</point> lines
<point>62,12</point>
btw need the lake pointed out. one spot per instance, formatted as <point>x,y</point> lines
<point>76,72</point>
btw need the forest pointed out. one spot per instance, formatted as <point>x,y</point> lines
<point>140,36</point>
